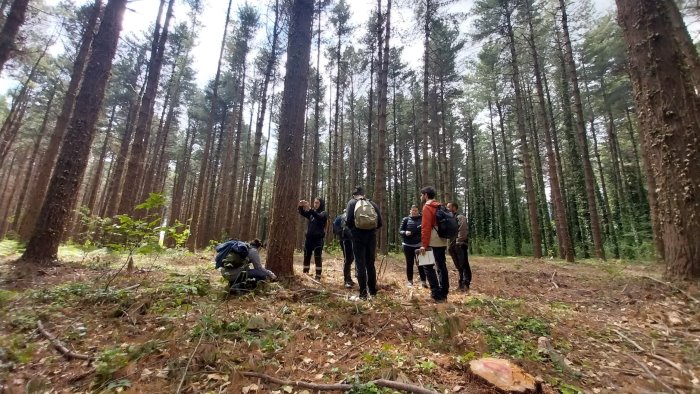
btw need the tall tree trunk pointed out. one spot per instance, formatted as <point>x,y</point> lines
<point>15,19</point>
<point>667,104</point>
<point>499,188</point>
<point>513,201</point>
<point>137,156</point>
<point>536,236</point>
<point>581,139</point>
<point>281,246</point>
<point>382,92</point>
<point>198,207</point>
<point>250,229</point>
<point>566,249</point>
<point>38,190</point>
<point>72,160</point>
<point>426,62</point>
<point>95,182</point>
<point>30,174</point>
<point>317,108</point>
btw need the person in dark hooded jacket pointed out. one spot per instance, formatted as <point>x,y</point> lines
<point>315,233</point>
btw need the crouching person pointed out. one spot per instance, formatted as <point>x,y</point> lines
<point>240,263</point>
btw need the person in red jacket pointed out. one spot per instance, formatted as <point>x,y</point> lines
<point>430,240</point>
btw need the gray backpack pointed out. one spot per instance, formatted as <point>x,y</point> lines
<point>365,215</point>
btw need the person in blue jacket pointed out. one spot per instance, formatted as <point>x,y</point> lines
<point>315,233</point>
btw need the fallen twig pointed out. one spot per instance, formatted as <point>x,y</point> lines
<point>656,356</point>
<point>625,337</point>
<point>338,386</point>
<point>187,366</point>
<point>367,340</point>
<point>674,287</point>
<point>409,323</point>
<point>651,374</point>
<point>552,280</point>
<point>132,287</point>
<point>60,346</point>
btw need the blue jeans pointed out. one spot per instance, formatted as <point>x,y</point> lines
<point>440,281</point>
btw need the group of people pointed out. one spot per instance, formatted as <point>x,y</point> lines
<point>356,228</point>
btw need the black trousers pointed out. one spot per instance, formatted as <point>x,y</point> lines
<point>439,281</point>
<point>460,256</point>
<point>348,258</point>
<point>313,245</point>
<point>364,246</point>
<point>409,253</point>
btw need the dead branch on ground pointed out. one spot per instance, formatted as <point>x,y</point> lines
<point>650,354</point>
<point>339,386</point>
<point>685,293</point>
<point>60,346</point>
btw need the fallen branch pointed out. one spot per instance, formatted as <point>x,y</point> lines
<point>339,386</point>
<point>656,356</point>
<point>651,374</point>
<point>367,340</point>
<point>187,366</point>
<point>60,346</point>
<point>625,337</point>
<point>132,287</point>
<point>552,280</point>
<point>675,288</point>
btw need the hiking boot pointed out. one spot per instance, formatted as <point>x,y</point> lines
<point>424,284</point>
<point>317,277</point>
<point>409,284</point>
<point>440,300</point>
<point>349,284</point>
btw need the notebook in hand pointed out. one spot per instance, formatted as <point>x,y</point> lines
<point>427,258</point>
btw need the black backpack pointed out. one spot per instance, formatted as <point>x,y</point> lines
<point>447,225</point>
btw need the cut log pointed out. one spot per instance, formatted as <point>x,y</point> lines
<point>504,375</point>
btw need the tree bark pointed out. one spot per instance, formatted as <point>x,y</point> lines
<point>38,191</point>
<point>72,160</point>
<point>15,19</point>
<point>281,246</point>
<point>581,139</point>
<point>667,104</point>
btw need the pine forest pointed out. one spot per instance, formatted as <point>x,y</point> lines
<point>138,137</point>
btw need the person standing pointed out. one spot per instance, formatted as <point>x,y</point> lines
<point>341,229</point>
<point>315,233</point>
<point>459,248</point>
<point>410,240</point>
<point>363,220</point>
<point>430,240</point>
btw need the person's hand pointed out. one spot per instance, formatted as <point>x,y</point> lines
<point>421,251</point>
<point>303,203</point>
<point>408,233</point>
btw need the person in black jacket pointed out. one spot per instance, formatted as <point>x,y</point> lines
<point>364,245</point>
<point>315,233</point>
<point>410,235</point>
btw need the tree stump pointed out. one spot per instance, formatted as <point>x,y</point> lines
<point>504,375</point>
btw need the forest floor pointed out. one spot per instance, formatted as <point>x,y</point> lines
<point>169,326</point>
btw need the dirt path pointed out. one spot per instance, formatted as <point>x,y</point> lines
<point>612,329</point>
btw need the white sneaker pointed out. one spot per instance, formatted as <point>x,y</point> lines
<point>409,284</point>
